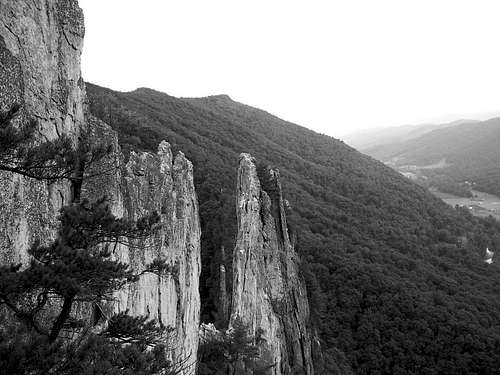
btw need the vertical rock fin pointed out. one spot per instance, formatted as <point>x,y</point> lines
<point>268,294</point>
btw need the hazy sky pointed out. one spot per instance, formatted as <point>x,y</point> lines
<point>333,66</point>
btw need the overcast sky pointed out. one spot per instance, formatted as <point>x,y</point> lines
<point>332,66</point>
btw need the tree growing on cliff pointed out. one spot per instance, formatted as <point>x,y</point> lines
<point>75,272</point>
<point>235,352</point>
<point>52,160</point>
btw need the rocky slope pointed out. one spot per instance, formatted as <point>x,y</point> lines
<point>40,48</point>
<point>268,294</point>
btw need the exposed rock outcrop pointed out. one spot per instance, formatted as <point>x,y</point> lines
<point>40,48</point>
<point>156,183</point>
<point>268,293</point>
<point>165,184</point>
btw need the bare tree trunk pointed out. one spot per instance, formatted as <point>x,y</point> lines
<point>61,319</point>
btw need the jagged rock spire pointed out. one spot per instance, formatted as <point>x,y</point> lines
<point>268,294</point>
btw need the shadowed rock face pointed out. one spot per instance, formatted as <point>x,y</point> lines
<point>40,48</point>
<point>268,294</point>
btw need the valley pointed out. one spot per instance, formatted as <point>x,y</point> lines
<point>480,204</point>
<point>444,156</point>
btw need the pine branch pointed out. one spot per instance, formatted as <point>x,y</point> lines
<point>126,329</point>
<point>47,161</point>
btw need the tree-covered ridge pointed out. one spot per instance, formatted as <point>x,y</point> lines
<point>396,278</point>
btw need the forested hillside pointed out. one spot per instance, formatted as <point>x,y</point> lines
<point>396,278</point>
<point>470,152</point>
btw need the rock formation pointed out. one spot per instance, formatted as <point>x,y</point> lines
<point>146,183</point>
<point>40,48</point>
<point>268,294</point>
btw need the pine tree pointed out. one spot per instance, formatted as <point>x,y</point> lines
<point>235,352</point>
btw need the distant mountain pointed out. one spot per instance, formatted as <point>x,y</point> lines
<point>468,152</point>
<point>369,138</point>
<point>396,278</point>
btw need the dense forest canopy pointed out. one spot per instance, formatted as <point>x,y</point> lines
<point>396,278</point>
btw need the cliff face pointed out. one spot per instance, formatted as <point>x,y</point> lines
<point>146,183</point>
<point>164,184</point>
<point>268,294</point>
<point>40,48</point>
